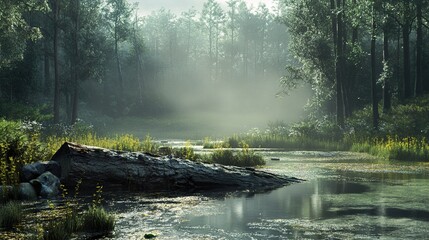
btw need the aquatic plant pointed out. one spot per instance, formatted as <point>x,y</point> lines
<point>244,158</point>
<point>96,219</point>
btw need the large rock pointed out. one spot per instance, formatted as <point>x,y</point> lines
<point>26,192</point>
<point>34,170</point>
<point>46,185</point>
<point>93,165</point>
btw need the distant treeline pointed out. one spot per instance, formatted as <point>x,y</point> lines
<point>99,55</point>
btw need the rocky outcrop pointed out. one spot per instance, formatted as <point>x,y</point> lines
<point>94,165</point>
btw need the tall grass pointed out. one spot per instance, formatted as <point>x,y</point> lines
<point>11,214</point>
<point>96,219</point>
<point>395,148</point>
<point>119,142</point>
<point>244,158</point>
<point>265,140</point>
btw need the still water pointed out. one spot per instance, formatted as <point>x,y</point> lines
<point>346,196</point>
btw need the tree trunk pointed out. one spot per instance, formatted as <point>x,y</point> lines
<point>375,116</point>
<point>339,69</point>
<point>92,165</point>
<point>419,49</point>
<point>139,62</point>
<point>406,48</point>
<point>387,104</point>
<point>76,69</point>
<point>120,80</point>
<point>57,83</point>
<point>47,69</point>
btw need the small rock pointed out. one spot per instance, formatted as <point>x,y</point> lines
<point>149,236</point>
<point>34,170</point>
<point>47,185</point>
<point>26,192</point>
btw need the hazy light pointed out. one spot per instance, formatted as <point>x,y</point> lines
<point>145,7</point>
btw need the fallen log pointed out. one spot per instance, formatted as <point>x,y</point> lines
<point>94,165</point>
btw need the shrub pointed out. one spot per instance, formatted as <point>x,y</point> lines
<point>11,214</point>
<point>19,145</point>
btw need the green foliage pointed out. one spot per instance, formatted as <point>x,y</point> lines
<point>244,158</point>
<point>186,152</point>
<point>11,214</point>
<point>19,111</point>
<point>119,142</point>
<point>62,229</point>
<point>96,219</point>
<point>402,135</point>
<point>395,148</point>
<point>15,31</point>
<point>290,142</point>
<point>19,145</point>
<point>149,145</point>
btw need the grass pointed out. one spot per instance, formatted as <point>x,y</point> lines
<point>96,219</point>
<point>395,148</point>
<point>244,158</point>
<point>287,142</point>
<point>93,220</point>
<point>11,214</point>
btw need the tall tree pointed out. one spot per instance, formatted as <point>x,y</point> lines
<point>232,26</point>
<point>374,99</point>
<point>211,16</point>
<point>387,76</point>
<point>118,13</point>
<point>56,6</point>
<point>339,61</point>
<point>419,48</point>
<point>75,15</point>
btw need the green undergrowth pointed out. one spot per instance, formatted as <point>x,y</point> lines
<point>95,220</point>
<point>402,134</point>
<point>11,214</point>
<point>244,158</point>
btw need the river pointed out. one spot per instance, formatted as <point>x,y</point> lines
<point>345,196</point>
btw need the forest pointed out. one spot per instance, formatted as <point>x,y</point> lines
<point>81,59</point>
<point>315,89</point>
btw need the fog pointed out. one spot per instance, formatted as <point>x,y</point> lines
<point>208,71</point>
<point>145,7</point>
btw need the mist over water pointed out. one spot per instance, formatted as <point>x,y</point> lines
<point>213,70</point>
<point>234,107</point>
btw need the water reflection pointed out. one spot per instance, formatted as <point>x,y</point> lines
<point>302,200</point>
<point>347,198</point>
<point>319,200</point>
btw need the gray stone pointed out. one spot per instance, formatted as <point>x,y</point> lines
<point>34,170</point>
<point>46,185</point>
<point>26,192</point>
